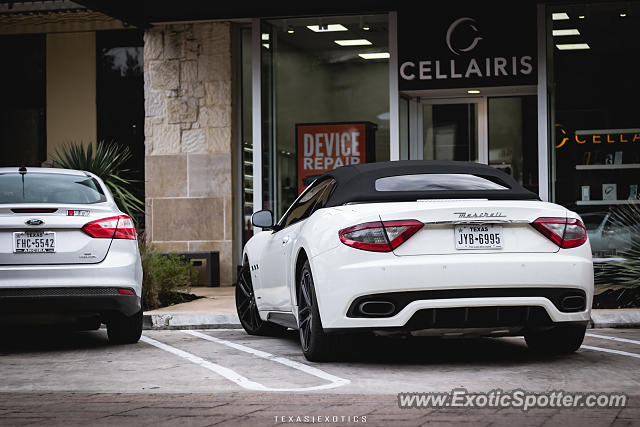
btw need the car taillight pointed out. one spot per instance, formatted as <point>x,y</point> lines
<point>564,232</point>
<point>379,236</point>
<point>115,227</point>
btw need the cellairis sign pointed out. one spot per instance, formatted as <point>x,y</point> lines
<point>466,48</point>
<point>588,138</point>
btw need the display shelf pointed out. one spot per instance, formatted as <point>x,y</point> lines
<point>604,202</point>
<point>614,166</point>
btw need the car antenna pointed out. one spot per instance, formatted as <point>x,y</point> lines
<point>23,171</point>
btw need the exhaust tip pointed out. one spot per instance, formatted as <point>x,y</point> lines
<point>377,308</point>
<point>572,303</point>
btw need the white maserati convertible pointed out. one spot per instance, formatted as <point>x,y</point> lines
<point>423,247</point>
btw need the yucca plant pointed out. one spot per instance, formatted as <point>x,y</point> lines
<point>108,162</point>
<point>625,273</point>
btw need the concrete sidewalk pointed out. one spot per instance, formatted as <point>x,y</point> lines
<point>217,309</point>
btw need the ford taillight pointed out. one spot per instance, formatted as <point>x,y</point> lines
<point>115,227</point>
<point>564,232</point>
<point>379,236</point>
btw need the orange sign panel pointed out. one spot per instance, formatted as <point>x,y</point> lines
<point>324,147</point>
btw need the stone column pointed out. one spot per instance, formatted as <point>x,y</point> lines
<point>187,87</point>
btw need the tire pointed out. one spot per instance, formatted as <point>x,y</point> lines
<point>561,339</point>
<point>248,309</point>
<point>124,330</point>
<point>316,345</point>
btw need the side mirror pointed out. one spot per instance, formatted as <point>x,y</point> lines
<point>262,219</point>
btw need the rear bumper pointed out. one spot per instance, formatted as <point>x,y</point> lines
<point>121,268</point>
<point>17,303</point>
<point>343,275</point>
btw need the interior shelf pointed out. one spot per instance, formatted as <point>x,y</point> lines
<point>604,202</point>
<point>614,166</point>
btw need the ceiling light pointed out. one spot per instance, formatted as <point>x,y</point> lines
<point>581,16</point>
<point>377,55</point>
<point>567,32</point>
<point>290,30</point>
<point>473,91</point>
<point>366,27</point>
<point>266,45</point>
<point>265,36</point>
<point>562,16</point>
<point>326,28</point>
<point>622,15</point>
<point>573,46</point>
<point>355,42</point>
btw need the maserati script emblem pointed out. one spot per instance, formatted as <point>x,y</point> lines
<point>466,215</point>
<point>34,221</point>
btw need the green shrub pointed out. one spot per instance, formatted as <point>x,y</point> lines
<point>164,276</point>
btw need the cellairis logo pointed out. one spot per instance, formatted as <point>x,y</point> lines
<point>453,26</point>
<point>467,215</point>
<point>460,68</point>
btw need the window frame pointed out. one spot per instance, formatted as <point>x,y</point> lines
<point>330,184</point>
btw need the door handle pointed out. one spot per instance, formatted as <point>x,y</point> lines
<point>285,240</point>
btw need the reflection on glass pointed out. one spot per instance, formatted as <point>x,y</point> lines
<point>513,138</point>
<point>436,182</point>
<point>22,103</point>
<point>120,96</point>
<point>450,132</point>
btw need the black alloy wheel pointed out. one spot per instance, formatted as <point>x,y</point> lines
<point>305,310</point>
<point>561,339</point>
<point>248,309</point>
<point>316,345</point>
<point>123,329</point>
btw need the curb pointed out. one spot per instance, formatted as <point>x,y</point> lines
<point>615,318</point>
<point>163,321</point>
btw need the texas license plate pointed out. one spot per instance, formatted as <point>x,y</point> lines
<point>34,242</point>
<point>484,236</point>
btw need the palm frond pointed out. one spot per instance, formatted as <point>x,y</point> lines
<point>626,272</point>
<point>108,162</point>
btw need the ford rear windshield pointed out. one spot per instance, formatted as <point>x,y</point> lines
<point>49,188</point>
<point>439,182</point>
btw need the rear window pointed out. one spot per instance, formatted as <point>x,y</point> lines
<point>437,182</point>
<point>49,188</point>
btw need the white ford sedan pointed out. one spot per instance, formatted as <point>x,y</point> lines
<point>67,254</point>
<point>421,247</point>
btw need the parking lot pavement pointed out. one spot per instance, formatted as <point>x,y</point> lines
<point>227,377</point>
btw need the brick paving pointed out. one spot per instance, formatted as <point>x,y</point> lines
<point>254,409</point>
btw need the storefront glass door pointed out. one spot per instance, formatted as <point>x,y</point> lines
<point>497,130</point>
<point>449,130</point>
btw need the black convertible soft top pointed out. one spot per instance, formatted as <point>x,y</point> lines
<point>356,183</point>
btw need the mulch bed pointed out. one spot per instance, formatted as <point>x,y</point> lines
<point>617,298</point>
<point>173,298</point>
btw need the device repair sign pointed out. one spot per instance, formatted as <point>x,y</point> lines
<point>323,147</point>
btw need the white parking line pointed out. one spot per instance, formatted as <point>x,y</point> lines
<point>605,337</point>
<point>334,381</point>
<point>608,350</point>
<point>241,380</point>
<point>220,370</point>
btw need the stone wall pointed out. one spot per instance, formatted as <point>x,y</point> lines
<point>187,86</point>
